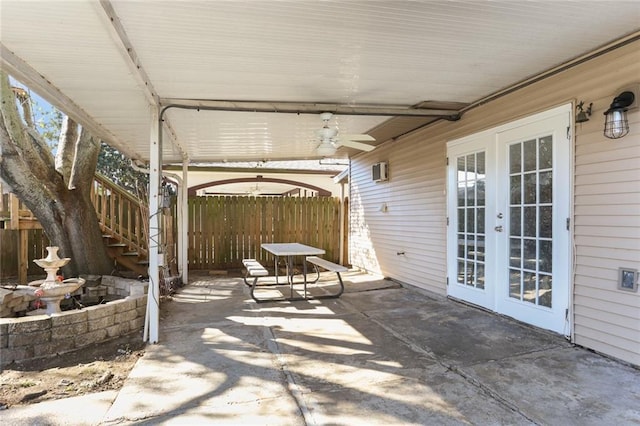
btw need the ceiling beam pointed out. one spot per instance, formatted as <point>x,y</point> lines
<point>307,108</point>
<point>136,67</point>
<point>260,178</point>
<point>21,70</point>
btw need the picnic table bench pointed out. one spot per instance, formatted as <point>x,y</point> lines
<point>256,270</point>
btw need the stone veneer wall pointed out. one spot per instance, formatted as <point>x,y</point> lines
<point>41,336</point>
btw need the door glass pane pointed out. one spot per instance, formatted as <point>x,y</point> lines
<point>529,281</point>
<point>515,227</point>
<point>480,191</point>
<point>461,220</point>
<point>529,153</point>
<point>471,163</point>
<point>461,272</point>
<point>461,245</point>
<point>461,178</point>
<point>544,290</point>
<point>515,158</point>
<point>530,188</point>
<point>515,193</point>
<point>471,192</point>
<point>515,286</point>
<point>544,264</point>
<point>471,217</point>
<point>529,254</point>
<point>515,252</point>
<point>480,276</point>
<point>530,221</point>
<point>546,188</point>
<point>545,220</point>
<point>480,248</point>
<point>471,220</point>
<point>471,248</point>
<point>546,153</point>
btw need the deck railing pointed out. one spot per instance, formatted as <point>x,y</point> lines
<point>120,214</point>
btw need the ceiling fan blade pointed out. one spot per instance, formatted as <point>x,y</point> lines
<point>357,145</point>
<point>360,138</point>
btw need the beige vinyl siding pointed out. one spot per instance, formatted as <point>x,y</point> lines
<point>606,200</point>
<point>607,236</point>
<point>415,219</point>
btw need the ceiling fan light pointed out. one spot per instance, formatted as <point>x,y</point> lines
<point>327,133</point>
<point>325,149</point>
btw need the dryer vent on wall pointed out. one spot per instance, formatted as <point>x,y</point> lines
<point>379,172</point>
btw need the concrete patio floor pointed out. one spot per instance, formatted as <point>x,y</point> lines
<point>380,354</point>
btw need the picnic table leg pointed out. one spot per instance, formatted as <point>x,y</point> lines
<point>304,273</point>
<point>275,264</point>
<point>290,275</point>
<point>341,286</point>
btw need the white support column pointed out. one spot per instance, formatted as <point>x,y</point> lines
<point>342,213</point>
<point>183,232</point>
<point>152,324</point>
<point>179,213</point>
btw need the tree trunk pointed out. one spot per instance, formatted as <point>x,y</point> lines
<point>58,196</point>
<point>84,237</point>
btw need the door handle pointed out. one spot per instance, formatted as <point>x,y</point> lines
<point>498,228</point>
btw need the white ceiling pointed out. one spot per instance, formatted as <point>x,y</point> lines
<point>105,62</point>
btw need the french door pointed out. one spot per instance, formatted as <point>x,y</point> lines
<point>508,209</point>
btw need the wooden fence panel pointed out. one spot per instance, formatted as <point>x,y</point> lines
<point>225,230</point>
<point>37,242</point>
<point>9,259</point>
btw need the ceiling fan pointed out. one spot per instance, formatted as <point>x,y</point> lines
<point>330,141</point>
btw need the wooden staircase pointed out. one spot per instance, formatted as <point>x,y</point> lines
<point>122,218</point>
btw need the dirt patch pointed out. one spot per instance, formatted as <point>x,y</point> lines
<point>96,368</point>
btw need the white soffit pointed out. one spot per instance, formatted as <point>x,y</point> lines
<point>348,52</point>
<point>68,43</point>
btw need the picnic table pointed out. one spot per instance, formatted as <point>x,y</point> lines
<point>288,251</point>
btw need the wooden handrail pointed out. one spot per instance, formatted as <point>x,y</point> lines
<point>116,188</point>
<point>119,214</point>
<point>122,217</point>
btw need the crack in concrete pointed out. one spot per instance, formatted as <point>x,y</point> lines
<point>298,395</point>
<point>501,400</point>
<point>292,386</point>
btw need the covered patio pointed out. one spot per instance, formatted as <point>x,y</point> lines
<point>182,82</point>
<point>381,354</point>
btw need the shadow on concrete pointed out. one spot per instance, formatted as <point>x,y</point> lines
<point>380,354</point>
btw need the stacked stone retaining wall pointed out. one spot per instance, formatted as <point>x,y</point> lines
<point>33,337</point>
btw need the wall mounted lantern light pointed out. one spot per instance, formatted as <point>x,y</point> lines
<point>616,124</point>
<point>583,113</point>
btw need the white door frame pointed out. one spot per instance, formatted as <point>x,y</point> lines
<point>493,143</point>
<point>479,142</point>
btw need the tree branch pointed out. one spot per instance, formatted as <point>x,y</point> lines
<point>26,142</point>
<point>67,149</point>
<point>25,103</point>
<point>18,175</point>
<point>85,161</point>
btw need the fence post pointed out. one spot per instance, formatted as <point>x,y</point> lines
<point>23,261</point>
